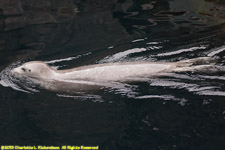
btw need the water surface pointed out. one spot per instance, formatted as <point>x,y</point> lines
<point>177,111</point>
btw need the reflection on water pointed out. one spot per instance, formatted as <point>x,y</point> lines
<point>175,111</point>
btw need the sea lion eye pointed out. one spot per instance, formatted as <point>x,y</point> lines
<point>23,69</point>
<point>29,70</point>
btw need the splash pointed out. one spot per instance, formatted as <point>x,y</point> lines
<point>7,80</point>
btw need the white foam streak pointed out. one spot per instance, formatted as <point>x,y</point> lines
<point>121,55</point>
<point>213,77</point>
<point>208,90</point>
<point>94,98</point>
<point>3,83</point>
<point>182,51</point>
<point>153,43</point>
<point>138,40</point>
<point>67,59</point>
<point>216,51</point>
<point>182,101</point>
<point>110,47</point>
<point>212,93</point>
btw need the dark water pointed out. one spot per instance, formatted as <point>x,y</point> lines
<point>178,111</point>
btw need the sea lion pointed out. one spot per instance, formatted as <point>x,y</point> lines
<point>108,72</point>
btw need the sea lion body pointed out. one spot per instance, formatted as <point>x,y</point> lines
<point>98,75</point>
<point>115,71</point>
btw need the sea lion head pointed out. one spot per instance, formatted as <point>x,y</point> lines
<point>34,69</point>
